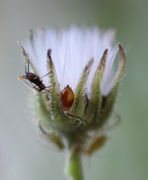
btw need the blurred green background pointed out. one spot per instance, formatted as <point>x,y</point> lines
<point>125,156</point>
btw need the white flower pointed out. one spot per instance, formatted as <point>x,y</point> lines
<point>83,79</point>
<point>71,50</point>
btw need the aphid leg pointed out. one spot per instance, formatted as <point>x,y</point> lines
<point>31,85</point>
<point>45,75</point>
<point>34,87</point>
<point>28,84</point>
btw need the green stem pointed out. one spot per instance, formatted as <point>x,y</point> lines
<point>74,166</point>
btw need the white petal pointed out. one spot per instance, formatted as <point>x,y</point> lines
<point>71,50</point>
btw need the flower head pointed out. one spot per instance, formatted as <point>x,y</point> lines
<point>77,94</point>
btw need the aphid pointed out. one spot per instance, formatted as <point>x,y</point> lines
<point>34,79</point>
<point>67,97</point>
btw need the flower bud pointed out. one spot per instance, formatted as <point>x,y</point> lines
<point>76,97</point>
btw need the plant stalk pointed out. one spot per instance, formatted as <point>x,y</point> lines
<point>73,167</point>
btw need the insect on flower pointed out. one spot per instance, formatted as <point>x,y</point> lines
<point>77,111</point>
<point>34,79</point>
<point>84,79</point>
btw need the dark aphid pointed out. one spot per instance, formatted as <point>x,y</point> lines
<point>67,97</point>
<point>34,79</point>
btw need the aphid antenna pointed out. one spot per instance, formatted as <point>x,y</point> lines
<point>27,68</point>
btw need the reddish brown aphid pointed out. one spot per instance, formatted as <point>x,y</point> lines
<point>35,80</point>
<point>67,97</point>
